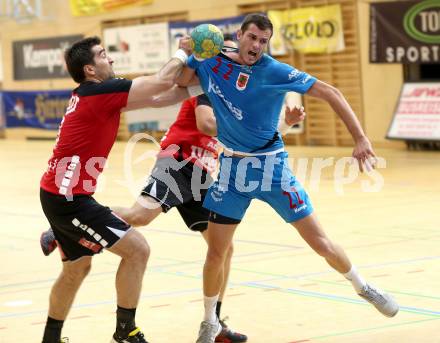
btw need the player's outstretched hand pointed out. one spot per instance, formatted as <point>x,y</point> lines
<point>364,154</point>
<point>185,44</point>
<point>294,115</point>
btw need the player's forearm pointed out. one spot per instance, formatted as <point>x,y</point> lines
<point>170,71</point>
<point>170,97</point>
<point>346,113</point>
<point>337,101</point>
<point>145,87</point>
<point>187,78</point>
<point>283,126</point>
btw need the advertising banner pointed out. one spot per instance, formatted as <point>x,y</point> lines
<point>94,7</point>
<point>42,109</point>
<point>417,116</point>
<point>41,58</point>
<point>405,32</point>
<point>139,49</point>
<point>309,30</point>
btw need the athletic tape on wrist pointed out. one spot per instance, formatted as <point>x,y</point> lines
<point>181,55</point>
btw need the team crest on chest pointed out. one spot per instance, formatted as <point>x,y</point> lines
<point>242,81</point>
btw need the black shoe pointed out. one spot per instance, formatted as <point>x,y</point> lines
<point>136,336</point>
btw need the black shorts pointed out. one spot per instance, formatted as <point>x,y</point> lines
<point>81,226</point>
<point>184,189</point>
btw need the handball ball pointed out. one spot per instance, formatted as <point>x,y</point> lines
<point>206,41</point>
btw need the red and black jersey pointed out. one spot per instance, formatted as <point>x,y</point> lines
<point>86,135</point>
<point>200,148</point>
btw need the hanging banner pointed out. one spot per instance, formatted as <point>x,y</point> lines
<point>138,49</point>
<point>177,29</point>
<point>94,7</point>
<point>417,116</point>
<point>41,58</point>
<point>405,32</point>
<point>309,30</point>
<point>2,115</point>
<point>41,109</point>
<point>1,63</point>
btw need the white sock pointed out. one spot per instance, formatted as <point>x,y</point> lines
<point>357,280</point>
<point>210,303</point>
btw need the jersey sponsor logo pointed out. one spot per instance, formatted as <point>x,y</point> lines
<point>217,192</point>
<point>213,88</point>
<point>90,245</point>
<point>293,74</point>
<point>247,69</point>
<point>242,81</point>
<point>205,157</point>
<point>84,242</point>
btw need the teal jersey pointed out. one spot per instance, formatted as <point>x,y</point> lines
<point>247,100</point>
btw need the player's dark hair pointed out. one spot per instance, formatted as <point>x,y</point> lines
<point>79,55</point>
<point>260,20</point>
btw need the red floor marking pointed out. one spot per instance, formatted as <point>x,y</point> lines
<point>4,327</point>
<point>38,323</point>
<point>416,271</point>
<point>303,340</point>
<point>308,284</point>
<point>195,300</point>
<point>153,306</point>
<point>80,317</point>
<point>381,275</point>
<point>235,295</point>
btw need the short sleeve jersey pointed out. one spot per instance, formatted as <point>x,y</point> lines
<point>86,135</point>
<point>201,149</point>
<point>247,100</point>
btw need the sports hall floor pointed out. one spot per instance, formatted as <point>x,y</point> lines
<point>280,291</point>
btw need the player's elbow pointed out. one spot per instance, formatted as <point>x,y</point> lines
<point>166,82</point>
<point>332,94</point>
<point>208,128</point>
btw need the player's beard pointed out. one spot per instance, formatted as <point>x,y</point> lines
<point>111,75</point>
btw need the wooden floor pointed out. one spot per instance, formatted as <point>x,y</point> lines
<point>280,291</point>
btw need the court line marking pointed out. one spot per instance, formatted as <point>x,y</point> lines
<point>344,333</point>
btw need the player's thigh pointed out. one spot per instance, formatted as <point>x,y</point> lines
<point>133,244</point>
<point>219,237</point>
<point>194,215</point>
<point>227,201</point>
<point>291,202</point>
<point>82,226</point>
<point>144,210</point>
<point>311,231</point>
